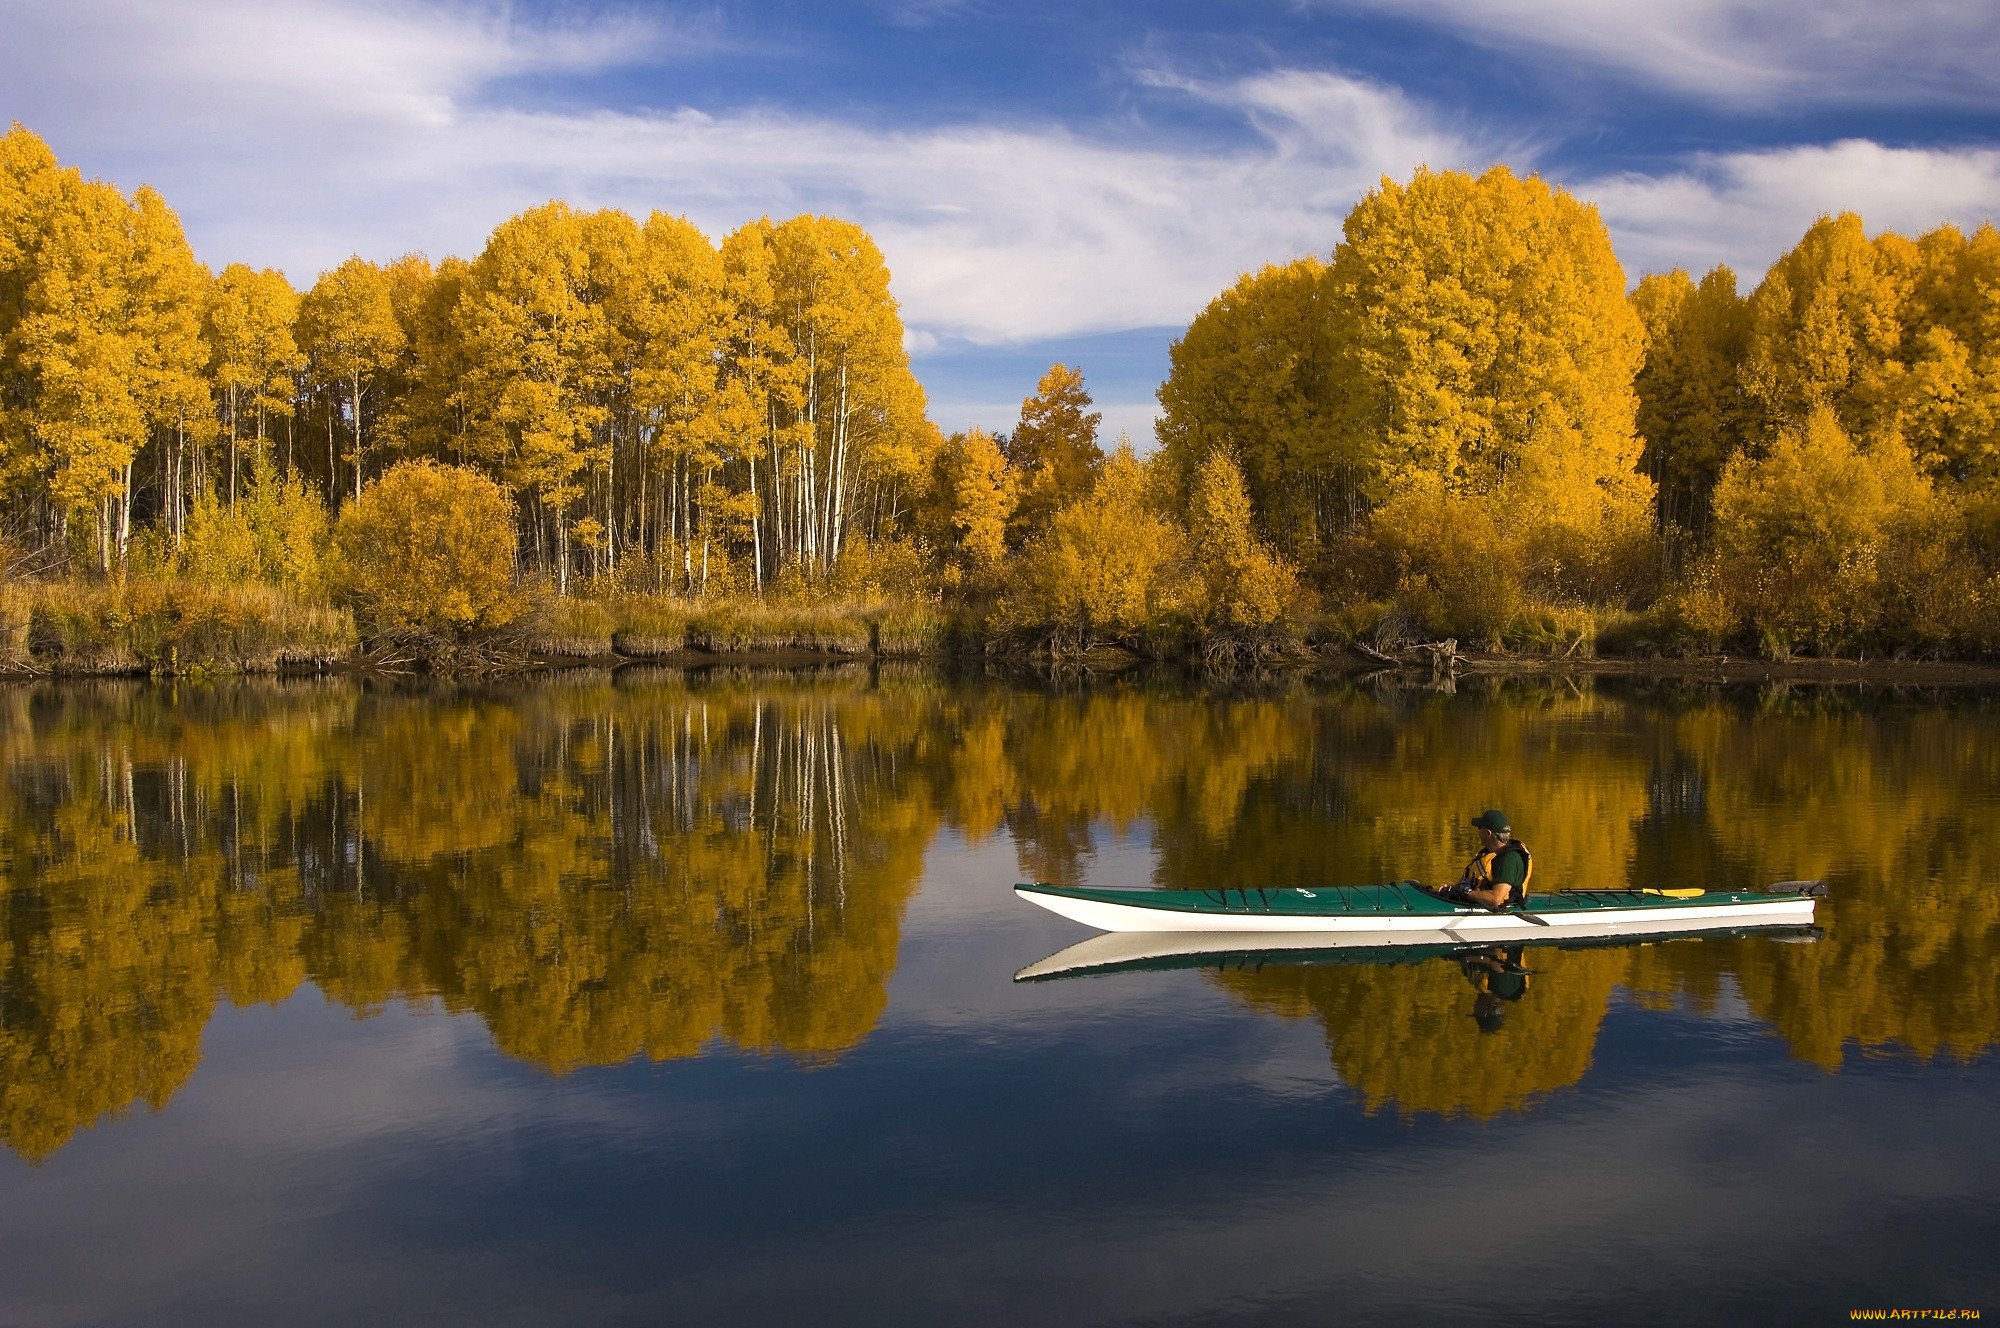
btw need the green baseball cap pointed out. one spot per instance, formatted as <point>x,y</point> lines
<point>1496,821</point>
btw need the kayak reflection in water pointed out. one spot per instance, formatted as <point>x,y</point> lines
<point>1497,974</point>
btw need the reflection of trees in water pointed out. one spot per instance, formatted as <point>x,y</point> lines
<point>598,871</point>
<point>608,869</point>
<point>1405,1036</point>
<point>1895,803</point>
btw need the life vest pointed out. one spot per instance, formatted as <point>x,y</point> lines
<point>1479,872</point>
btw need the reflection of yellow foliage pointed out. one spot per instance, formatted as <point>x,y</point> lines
<point>1403,1035</point>
<point>602,871</point>
<point>599,872</point>
<point>1913,925</point>
<point>105,959</point>
<point>439,778</point>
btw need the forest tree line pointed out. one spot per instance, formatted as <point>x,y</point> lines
<point>1462,422</point>
<point>1465,419</point>
<point>638,391</point>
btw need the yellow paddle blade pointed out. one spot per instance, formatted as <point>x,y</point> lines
<point>1688,893</point>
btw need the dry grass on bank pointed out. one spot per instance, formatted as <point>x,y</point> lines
<point>165,627</point>
<point>662,626</point>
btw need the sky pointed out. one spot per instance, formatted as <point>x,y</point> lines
<point>1048,181</point>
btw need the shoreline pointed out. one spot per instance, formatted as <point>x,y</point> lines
<point>1338,661</point>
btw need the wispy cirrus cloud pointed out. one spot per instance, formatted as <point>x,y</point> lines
<point>1759,53</point>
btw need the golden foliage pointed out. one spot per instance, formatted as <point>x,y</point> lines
<point>1483,327</point>
<point>1052,452</point>
<point>249,325</point>
<point>1690,412</point>
<point>1459,559</point>
<point>278,534</point>
<point>1253,376</point>
<point>348,331</point>
<point>1100,573</point>
<point>1377,1015</point>
<point>429,553</point>
<point>972,494</point>
<point>1801,533</point>
<point>605,871</point>
<point>1243,587</point>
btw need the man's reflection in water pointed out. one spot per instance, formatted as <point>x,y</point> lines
<point>1497,974</point>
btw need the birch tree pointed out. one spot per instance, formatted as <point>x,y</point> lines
<point>348,330</point>
<point>536,343</point>
<point>254,359</point>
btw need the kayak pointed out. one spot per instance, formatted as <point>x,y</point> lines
<point>1158,952</point>
<point>1404,910</point>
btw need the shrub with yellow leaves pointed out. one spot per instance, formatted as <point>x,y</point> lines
<point>1099,574</point>
<point>427,557</point>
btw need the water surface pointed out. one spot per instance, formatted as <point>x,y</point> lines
<point>667,998</point>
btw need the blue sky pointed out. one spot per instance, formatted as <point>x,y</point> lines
<point>1048,181</point>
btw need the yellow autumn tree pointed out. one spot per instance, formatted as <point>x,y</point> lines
<point>1253,376</point>
<point>677,309</point>
<point>1101,572</point>
<point>32,189</point>
<point>1487,352</point>
<point>1484,331</point>
<point>411,282</point>
<point>253,356</point>
<point>860,440</point>
<point>347,328</point>
<point>83,404</point>
<point>760,390</point>
<point>538,345</point>
<point>277,532</point>
<point>427,556</point>
<point>1052,451</point>
<point>1823,322</point>
<point>1940,389</point>
<point>1801,532</point>
<point>1690,412</point>
<point>972,494</point>
<point>431,417</point>
<point>1244,590</point>
<point>169,291</point>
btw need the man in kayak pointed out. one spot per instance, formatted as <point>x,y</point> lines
<point>1498,874</point>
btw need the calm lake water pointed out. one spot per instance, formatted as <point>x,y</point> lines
<point>661,999</point>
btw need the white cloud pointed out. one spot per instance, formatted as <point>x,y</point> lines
<point>1746,208</point>
<point>294,133</point>
<point>1752,52</point>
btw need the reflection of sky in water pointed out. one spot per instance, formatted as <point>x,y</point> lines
<point>1147,1146</point>
<point>1136,1165</point>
